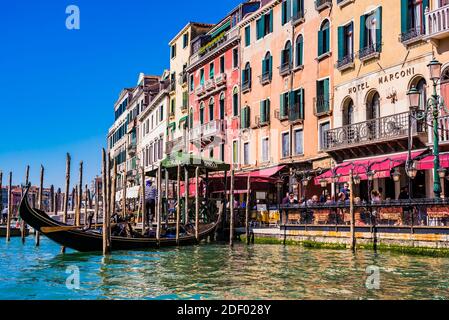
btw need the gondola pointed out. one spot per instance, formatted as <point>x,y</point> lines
<point>92,240</point>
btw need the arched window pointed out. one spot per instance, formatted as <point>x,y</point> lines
<point>373,106</point>
<point>267,66</point>
<point>235,102</point>
<point>211,109</point>
<point>348,112</point>
<point>222,106</point>
<point>286,55</point>
<point>324,38</point>
<point>421,86</point>
<point>202,113</point>
<point>246,76</point>
<point>299,51</point>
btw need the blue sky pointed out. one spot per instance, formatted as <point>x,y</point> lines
<point>58,86</point>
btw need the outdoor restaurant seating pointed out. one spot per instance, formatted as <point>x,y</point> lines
<point>391,215</point>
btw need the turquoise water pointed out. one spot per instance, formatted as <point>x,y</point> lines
<point>218,272</point>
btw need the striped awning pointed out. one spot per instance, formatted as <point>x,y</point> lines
<point>220,29</point>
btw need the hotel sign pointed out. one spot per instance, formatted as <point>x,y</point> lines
<point>385,79</point>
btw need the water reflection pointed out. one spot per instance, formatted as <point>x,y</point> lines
<point>218,272</point>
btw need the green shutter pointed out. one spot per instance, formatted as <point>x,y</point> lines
<point>262,112</point>
<point>301,104</point>
<point>299,53</point>
<point>259,29</point>
<point>404,16</point>
<point>271,22</point>
<point>425,4</point>
<point>320,43</point>
<point>289,10</point>
<point>264,66</point>
<point>243,119</point>
<point>248,36</point>
<point>243,76</point>
<point>248,118</point>
<point>295,8</point>
<point>270,65</point>
<point>267,109</point>
<point>326,93</point>
<point>282,57</point>
<point>362,32</point>
<point>326,39</point>
<point>290,55</point>
<point>341,43</point>
<point>379,29</point>
<point>282,105</point>
<point>284,13</point>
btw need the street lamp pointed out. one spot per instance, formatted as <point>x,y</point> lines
<point>396,176</point>
<point>431,111</point>
<point>411,170</point>
<point>357,179</point>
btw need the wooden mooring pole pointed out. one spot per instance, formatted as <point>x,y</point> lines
<point>113,187</point>
<point>22,223</point>
<point>186,194</point>
<point>351,210</point>
<point>142,197</point>
<point>97,199</point>
<point>178,205</point>
<point>80,195</point>
<point>158,204</point>
<point>197,203</point>
<point>105,172</point>
<point>66,194</point>
<point>125,185</point>
<point>248,198</point>
<point>231,206</point>
<point>10,204</point>
<point>40,204</point>
<point>51,201</point>
<point>86,204</point>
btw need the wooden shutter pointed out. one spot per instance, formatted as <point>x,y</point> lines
<point>362,32</point>
<point>379,29</point>
<point>282,105</point>
<point>271,21</point>
<point>404,16</point>
<point>341,42</point>
<point>248,36</point>
<point>320,43</point>
<point>301,104</point>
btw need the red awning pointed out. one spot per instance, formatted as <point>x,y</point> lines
<point>264,173</point>
<point>380,165</point>
<point>427,163</point>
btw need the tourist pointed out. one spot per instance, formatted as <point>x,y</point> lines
<point>150,199</point>
<point>286,200</point>
<point>4,215</point>
<point>313,201</point>
<point>292,200</point>
<point>345,190</point>
<point>376,197</point>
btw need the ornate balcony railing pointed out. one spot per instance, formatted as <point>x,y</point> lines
<point>175,145</point>
<point>437,23</point>
<point>220,79</point>
<point>376,130</point>
<point>200,91</point>
<point>285,68</point>
<point>322,4</point>
<point>322,106</point>
<point>265,78</point>
<point>412,35</point>
<point>298,17</point>
<point>346,62</point>
<point>370,52</point>
<point>213,128</point>
<point>443,129</point>
<point>210,85</point>
<point>246,86</point>
<point>182,78</point>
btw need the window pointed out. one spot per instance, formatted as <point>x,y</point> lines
<point>323,129</point>
<point>348,113</point>
<point>222,106</point>
<point>346,44</point>
<point>192,83</point>
<point>298,9</point>
<point>211,109</point>
<point>235,58</point>
<point>246,153</point>
<point>412,18</point>
<point>373,106</point>
<point>284,105</point>
<point>202,77</point>
<point>161,113</point>
<point>173,51</point>
<point>299,51</point>
<point>265,150</point>
<point>267,66</point>
<point>296,108</point>
<point>172,106</point>
<point>246,77</point>
<point>286,11</point>
<point>324,38</point>
<point>264,25</point>
<point>185,40</point>
<point>151,154</point>
<point>265,111</point>
<point>247,36</point>
<point>212,70</point>
<point>299,142</point>
<point>235,102</point>
<point>421,86</point>
<point>222,64</point>
<point>246,120</point>
<point>322,96</point>
<point>235,152</point>
<point>286,55</point>
<point>202,113</point>
<point>371,33</point>
<point>222,152</point>
<point>285,145</point>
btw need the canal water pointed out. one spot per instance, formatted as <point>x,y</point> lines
<point>218,272</point>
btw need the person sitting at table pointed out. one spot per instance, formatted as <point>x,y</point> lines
<point>376,197</point>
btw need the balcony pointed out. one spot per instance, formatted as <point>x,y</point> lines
<point>265,78</point>
<point>411,36</point>
<point>207,133</point>
<point>210,85</point>
<point>220,79</point>
<point>371,51</point>
<point>131,175</point>
<point>175,145</point>
<point>246,86</point>
<point>345,63</point>
<point>182,78</point>
<point>443,125</point>
<point>200,91</point>
<point>131,126</point>
<point>322,106</point>
<point>373,137</point>
<point>295,113</point>
<point>437,23</point>
<point>172,86</point>
<point>132,149</point>
<point>298,17</point>
<point>285,69</point>
<point>323,4</point>
<point>342,3</point>
<point>262,122</point>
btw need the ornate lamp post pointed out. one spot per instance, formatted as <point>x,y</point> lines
<point>432,111</point>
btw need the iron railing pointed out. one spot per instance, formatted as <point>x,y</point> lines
<point>412,35</point>
<point>322,106</point>
<point>376,130</point>
<point>321,4</point>
<point>370,51</point>
<point>265,78</point>
<point>285,68</point>
<point>345,62</point>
